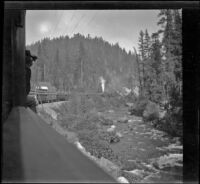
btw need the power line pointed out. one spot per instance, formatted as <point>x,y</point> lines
<point>73,15</point>
<point>58,22</point>
<point>55,14</point>
<point>52,26</point>
<point>77,24</point>
<point>92,18</point>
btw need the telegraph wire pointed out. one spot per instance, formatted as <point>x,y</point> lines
<point>55,14</point>
<point>72,17</point>
<point>57,23</point>
<point>92,18</point>
<point>77,24</point>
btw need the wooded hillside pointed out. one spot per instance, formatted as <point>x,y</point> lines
<point>79,62</point>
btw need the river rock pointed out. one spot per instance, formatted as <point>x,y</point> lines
<point>113,169</point>
<point>169,160</point>
<point>111,129</point>
<point>123,120</point>
<point>119,134</point>
<point>121,179</point>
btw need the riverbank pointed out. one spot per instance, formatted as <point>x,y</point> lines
<point>128,147</point>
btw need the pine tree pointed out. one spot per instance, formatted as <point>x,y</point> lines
<point>156,68</point>
<point>155,54</point>
<point>166,22</point>
<point>138,71</point>
<point>56,70</point>
<point>177,51</point>
<point>142,58</point>
<point>147,44</point>
<point>98,58</point>
<point>40,64</point>
<point>171,24</point>
<point>146,60</point>
<point>79,66</point>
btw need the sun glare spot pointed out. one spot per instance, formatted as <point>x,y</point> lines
<point>44,28</point>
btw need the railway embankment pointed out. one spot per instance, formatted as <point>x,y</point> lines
<point>128,148</point>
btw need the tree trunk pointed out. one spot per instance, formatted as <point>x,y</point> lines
<point>139,77</point>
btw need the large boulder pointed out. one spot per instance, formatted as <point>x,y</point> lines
<point>121,179</point>
<point>111,129</point>
<point>151,111</point>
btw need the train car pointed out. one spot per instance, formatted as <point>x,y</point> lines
<point>45,92</point>
<point>61,96</point>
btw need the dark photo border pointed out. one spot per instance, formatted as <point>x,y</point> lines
<point>190,62</point>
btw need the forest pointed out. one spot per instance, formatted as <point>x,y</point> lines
<point>78,63</point>
<point>160,72</point>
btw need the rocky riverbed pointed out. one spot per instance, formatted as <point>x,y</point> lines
<point>142,153</point>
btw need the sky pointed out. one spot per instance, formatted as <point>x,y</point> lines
<point>114,26</point>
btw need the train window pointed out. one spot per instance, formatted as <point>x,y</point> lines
<point>111,63</point>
